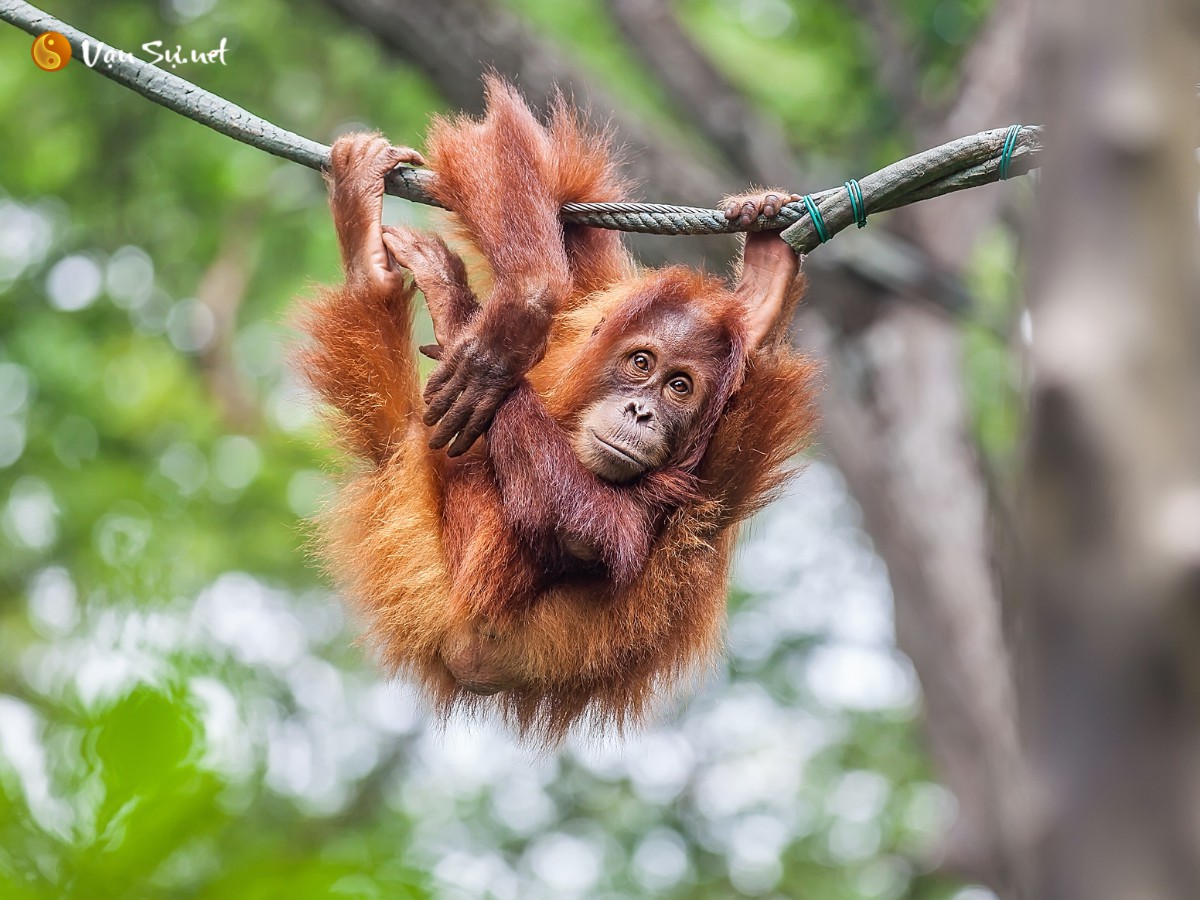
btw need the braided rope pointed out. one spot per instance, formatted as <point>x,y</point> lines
<point>964,163</point>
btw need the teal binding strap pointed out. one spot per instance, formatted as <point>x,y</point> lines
<point>1010,144</point>
<point>857,205</point>
<point>817,219</point>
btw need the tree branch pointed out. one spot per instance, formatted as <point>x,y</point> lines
<point>453,41</point>
<point>222,288</point>
<point>751,142</point>
<point>895,60</point>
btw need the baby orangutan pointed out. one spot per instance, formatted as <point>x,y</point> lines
<point>575,560</point>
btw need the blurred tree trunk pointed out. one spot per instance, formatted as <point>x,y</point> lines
<point>895,416</point>
<point>1111,495</point>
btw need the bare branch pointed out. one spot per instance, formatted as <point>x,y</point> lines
<point>452,41</point>
<point>752,142</point>
<point>895,60</point>
<point>963,163</point>
<point>221,289</point>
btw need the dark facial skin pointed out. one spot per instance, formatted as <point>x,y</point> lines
<point>653,391</point>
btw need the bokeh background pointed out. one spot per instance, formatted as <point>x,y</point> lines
<point>183,712</point>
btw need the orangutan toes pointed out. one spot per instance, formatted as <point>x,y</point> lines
<point>745,208</point>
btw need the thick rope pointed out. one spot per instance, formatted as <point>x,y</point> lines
<point>954,166</point>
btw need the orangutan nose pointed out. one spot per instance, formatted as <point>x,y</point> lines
<point>640,412</point>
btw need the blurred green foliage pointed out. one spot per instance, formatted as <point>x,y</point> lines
<point>182,712</point>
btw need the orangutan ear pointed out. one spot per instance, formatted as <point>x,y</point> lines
<point>769,270</point>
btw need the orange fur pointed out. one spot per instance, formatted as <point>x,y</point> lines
<point>418,540</point>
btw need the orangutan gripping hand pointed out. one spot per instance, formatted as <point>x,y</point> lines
<point>356,183</point>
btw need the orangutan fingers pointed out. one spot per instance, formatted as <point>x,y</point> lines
<point>481,418</point>
<point>453,378</point>
<point>442,374</point>
<point>454,419</point>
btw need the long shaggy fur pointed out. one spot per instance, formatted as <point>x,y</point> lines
<point>423,543</point>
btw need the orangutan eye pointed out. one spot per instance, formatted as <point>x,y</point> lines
<point>643,362</point>
<point>680,385</point>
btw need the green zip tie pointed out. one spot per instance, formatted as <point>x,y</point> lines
<point>857,205</point>
<point>1010,144</point>
<point>817,219</point>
